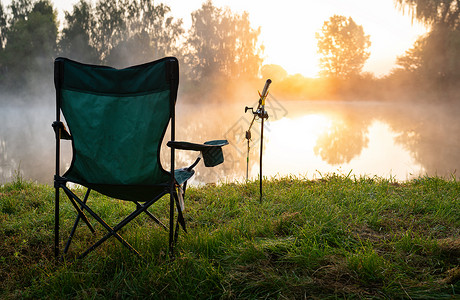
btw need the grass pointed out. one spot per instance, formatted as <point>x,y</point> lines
<point>337,237</point>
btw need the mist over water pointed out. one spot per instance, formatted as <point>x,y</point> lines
<point>26,141</point>
<point>308,138</point>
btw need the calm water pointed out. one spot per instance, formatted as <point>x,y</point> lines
<point>308,139</point>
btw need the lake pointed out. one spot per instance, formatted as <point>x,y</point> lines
<point>301,138</point>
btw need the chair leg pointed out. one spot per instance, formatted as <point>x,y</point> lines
<point>56,222</point>
<point>113,231</point>
<point>80,205</point>
<point>74,228</point>
<point>72,197</point>
<point>180,217</point>
<point>176,232</point>
<point>152,216</point>
<point>171,225</point>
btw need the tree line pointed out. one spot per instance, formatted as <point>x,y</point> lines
<point>219,46</point>
<point>221,51</point>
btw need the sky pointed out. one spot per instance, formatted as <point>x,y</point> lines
<point>288,28</point>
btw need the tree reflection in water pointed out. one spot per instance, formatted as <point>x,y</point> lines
<point>343,141</point>
<point>431,133</point>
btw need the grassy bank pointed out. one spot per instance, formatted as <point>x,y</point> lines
<point>334,237</point>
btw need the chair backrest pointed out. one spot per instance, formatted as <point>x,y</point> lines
<point>117,119</point>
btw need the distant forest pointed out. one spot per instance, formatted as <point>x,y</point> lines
<point>221,56</point>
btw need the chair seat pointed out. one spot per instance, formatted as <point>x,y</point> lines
<point>137,192</point>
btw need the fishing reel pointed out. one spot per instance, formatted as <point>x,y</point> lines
<point>261,113</point>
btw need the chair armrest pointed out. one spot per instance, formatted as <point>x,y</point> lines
<point>196,147</point>
<point>64,134</point>
<point>211,150</point>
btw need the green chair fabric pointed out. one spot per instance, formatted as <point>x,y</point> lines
<point>117,119</point>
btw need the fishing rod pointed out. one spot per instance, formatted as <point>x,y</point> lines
<point>262,114</point>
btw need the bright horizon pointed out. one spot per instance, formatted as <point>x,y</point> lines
<point>288,30</point>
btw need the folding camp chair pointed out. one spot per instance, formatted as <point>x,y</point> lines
<point>117,119</point>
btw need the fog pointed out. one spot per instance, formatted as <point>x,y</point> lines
<point>428,132</point>
<point>26,140</point>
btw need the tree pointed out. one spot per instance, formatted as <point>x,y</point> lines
<point>149,34</point>
<point>223,44</point>
<point>20,9</point>
<point>434,60</point>
<point>120,33</point>
<point>3,26</point>
<point>413,58</point>
<point>445,12</point>
<point>109,27</point>
<point>30,42</point>
<point>76,36</point>
<point>343,46</point>
<point>274,72</point>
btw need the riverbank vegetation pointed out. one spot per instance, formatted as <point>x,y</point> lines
<point>337,236</point>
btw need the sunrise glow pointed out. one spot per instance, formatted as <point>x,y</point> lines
<point>288,30</point>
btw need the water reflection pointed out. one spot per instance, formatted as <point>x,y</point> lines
<point>431,134</point>
<point>301,138</point>
<point>370,151</point>
<point>344,140</point>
